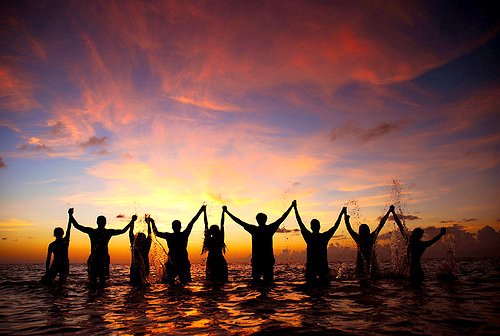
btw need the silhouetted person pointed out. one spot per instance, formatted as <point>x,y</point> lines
<point>366,261</point>
<point>178,264</point>
<point>213,243</point>
<point>416,248</point>
<point>140,245</point>
<point>98,261</point>
<point>317,270</point>
<point>59,248</point>
<point>262,243</point>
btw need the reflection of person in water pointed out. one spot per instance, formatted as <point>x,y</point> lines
<point>366,261</point>
<point>59,248</point>
<point>140,245</point>
<point>98,261</point>
<point>213,243</point>
<point>178,264</point>
<point>416,248</point>
<point>262,243</point>
<point>317,269</point>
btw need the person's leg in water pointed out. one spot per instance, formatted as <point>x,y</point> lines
<point>268,273</point>
<point>257,272</point>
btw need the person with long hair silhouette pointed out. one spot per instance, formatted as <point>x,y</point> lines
<point>213,243</point>
<point>416,248</point>
<point>317,270</point>
<point>262,243</point>
<point>140,245</point>
<point>177,264</point>
<point>59,248</point>
<point>366,260</point>
<point>98,261</point>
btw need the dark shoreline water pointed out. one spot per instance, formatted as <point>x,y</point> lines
<point>469,304</point>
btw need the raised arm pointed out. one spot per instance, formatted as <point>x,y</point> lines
<point>47,262</point>
<point>303,228</point>
<point>77,226</point>
<point>205,220</point>
<point>274,226</point>
<point>382,221</point>
<point>122,231</point>
<point>334,228</point>
<point>398,223</point>
<point>155,230</point>
<point>246,226</point>
<point>131,234</point>
<point>195,218</point>
<point>68,228</point>
<point>149,225</point>
<point>222,225</point>
<point>347,221</point>
<point>435,239</point>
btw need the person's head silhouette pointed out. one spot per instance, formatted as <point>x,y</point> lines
<point>176,225</point>
<point>58,232</point>
<point>101,222</point>
<point>261,219</point>
<point>214,231</point>
<point>417,234</point>
<point>140,239</point>
<point>315,225</point>
<point>364,230</point>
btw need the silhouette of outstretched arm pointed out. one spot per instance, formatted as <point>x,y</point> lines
<point>353,233</point>
<point>205,220</point>
<point>155,230</point>
<point>149,226</point>
<point>334,228</point>
<point>49,255</point>
<point>131,234</point>
<point>77,226</point>
<point>122,231</point>
<point>274,226</point>
<point>246,226</point>
<point>382,222</point>
<point>303,230</point>
<point>68,228</point>
<point>399,224</point>
<point>195,218</point>
<point>222,226</point>
<point>435,239</point>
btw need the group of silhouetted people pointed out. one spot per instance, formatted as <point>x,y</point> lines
<point>178,268</point>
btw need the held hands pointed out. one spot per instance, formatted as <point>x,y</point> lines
<point>294,204</point>
<point>224,208</point>
<point>391,208</point>
<point>70,211</point>
<point>443,231</point>
<point>134,218</point>
<point>344,210</point>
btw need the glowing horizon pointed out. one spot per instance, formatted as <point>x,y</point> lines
<point>126,107</point>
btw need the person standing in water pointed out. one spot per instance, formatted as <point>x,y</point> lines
<point>140,245</point>
<point>262,243</point>
<point>177,265</point>
<point>416,248</point>
<point>317,270</point>
<point>98,261</point>
<point>366,260</point>
<point>59,248</point>
<point>213,243</point>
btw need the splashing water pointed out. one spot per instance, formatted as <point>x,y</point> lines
<point>353,210</point>
<point>398,245</point>
<point>448,268</point>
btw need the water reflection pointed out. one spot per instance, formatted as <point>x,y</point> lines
<point>240,306</point>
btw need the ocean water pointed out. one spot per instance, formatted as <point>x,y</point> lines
<point>467,304</point>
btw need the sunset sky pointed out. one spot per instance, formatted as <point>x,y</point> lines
<point>133,107</point>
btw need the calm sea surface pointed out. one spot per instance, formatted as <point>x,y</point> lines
<point>468,305</point>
